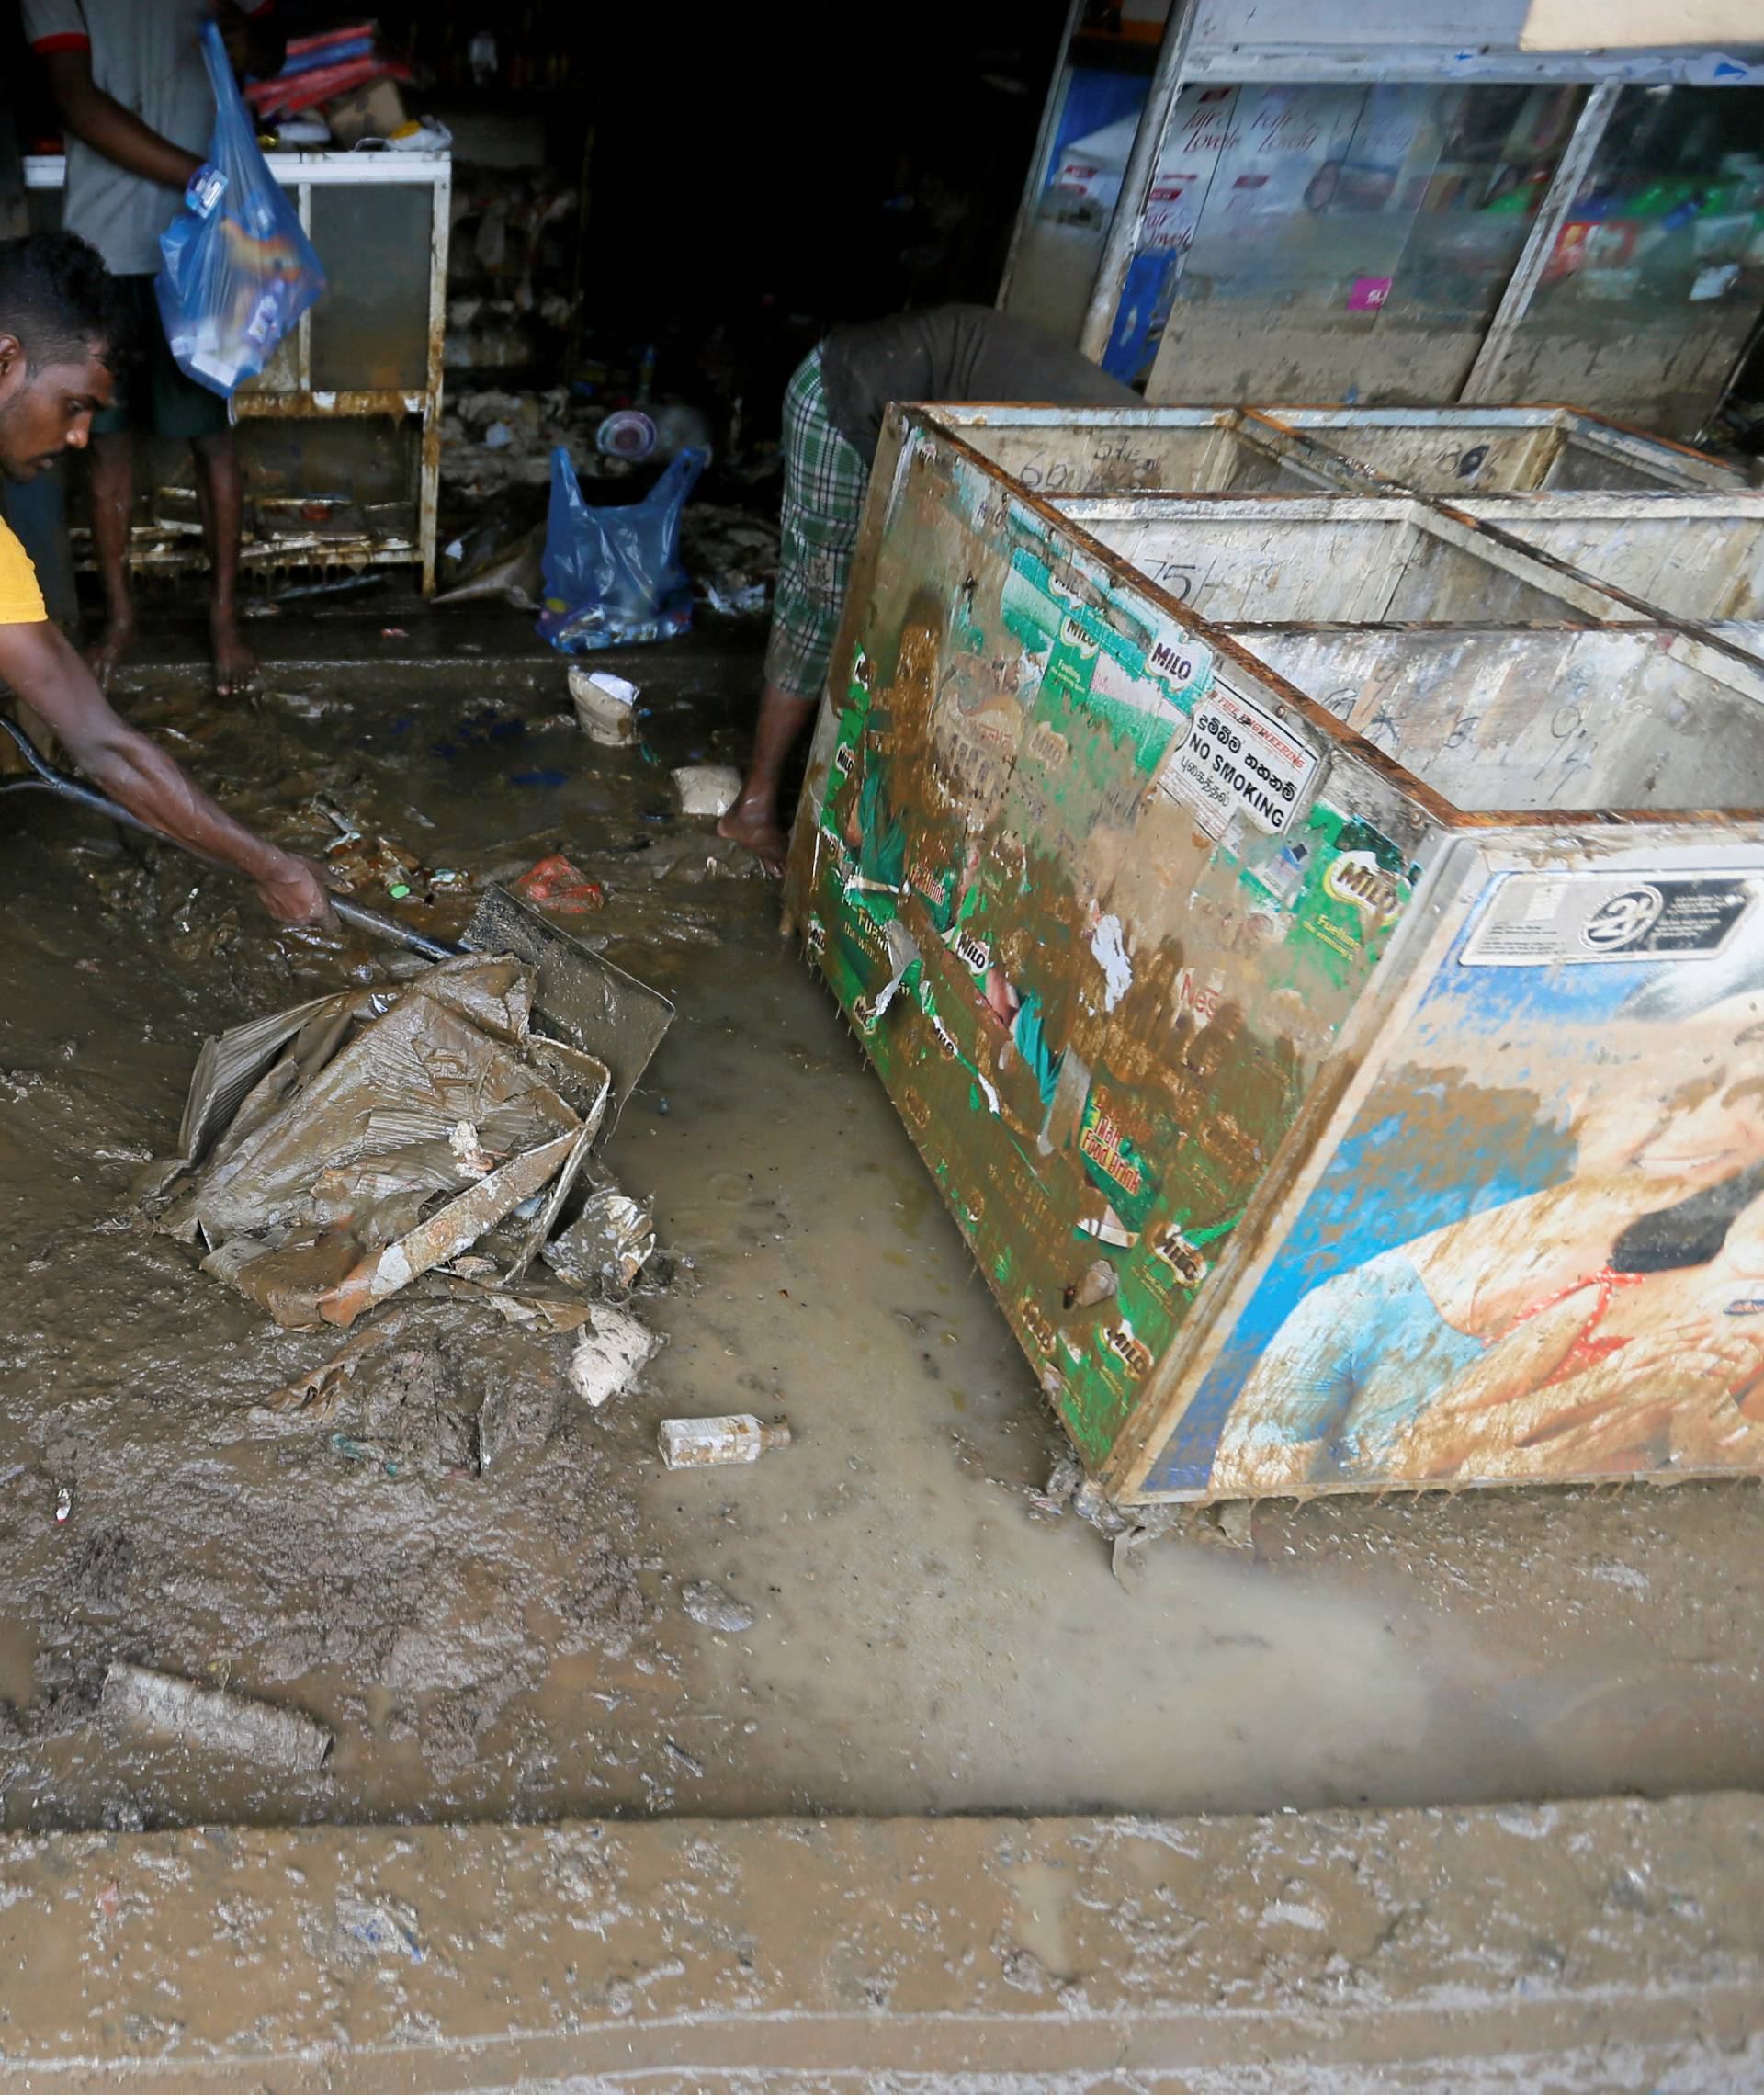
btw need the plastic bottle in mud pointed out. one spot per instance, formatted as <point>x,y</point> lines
<point>698,1443</point>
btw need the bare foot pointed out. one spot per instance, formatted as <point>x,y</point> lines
<point>235,667</point>
<point>754,825</point>
<point>104,655</point>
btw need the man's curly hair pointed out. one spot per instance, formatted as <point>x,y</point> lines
<point>61,302</point>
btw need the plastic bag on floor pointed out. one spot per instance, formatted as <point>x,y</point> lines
<point>613,575</point>
<point>237,271</point>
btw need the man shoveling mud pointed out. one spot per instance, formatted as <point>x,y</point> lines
<point>833,416</point>
<point>58,327</point>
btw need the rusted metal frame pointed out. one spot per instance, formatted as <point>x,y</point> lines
<point>1256,429</point>
<point>301,173</point>
<point>1332,427</point>
<point>303,330</point>
<point>1338,736</point>
<point>350,405</point>
<point>1520,515</point>
<point>1052,108</point>
<point>1514,557</point>
<point>303,551</point>
<point>1571,171</point>
<point>1444,64</point>
<point>1121,243</point>
<point>1647,612</point>
<point>429,467</point>
<point>1637,448</point>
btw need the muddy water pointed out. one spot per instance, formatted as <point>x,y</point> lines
<point>514,1642</point>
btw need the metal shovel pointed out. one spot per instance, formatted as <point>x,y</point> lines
<point>582,998</point>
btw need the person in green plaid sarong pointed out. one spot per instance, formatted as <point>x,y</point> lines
<point>834,408</point>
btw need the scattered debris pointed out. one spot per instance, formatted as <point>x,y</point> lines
<point>608,1243</point>
<point>353,1450</point>
<point>381,1927</point>
<point>516,1415</point>
<point>358,858</point>
<point>471,1153</point>
<point>1063,1480</point>
<point>1227,1526</point>
<point>1096,1283</point>
<point>1091,1504</point>
<point>738,1436</point>
<point>732,554</point>
<point>610,1354</point>
<point>605,705</point>
<point>611,1014</point>
<point>706,788</point>
<point>714,1608</point>
<point>743,603</point>
<point>136,1698</point>
<point>321,1140</point>
<point>512,572</point>
<point>554,884</point>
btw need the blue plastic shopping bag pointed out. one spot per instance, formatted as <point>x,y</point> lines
<point>614,575</point>
<point>238,270</point>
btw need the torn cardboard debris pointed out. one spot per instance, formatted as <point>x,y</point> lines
<point>610,1354</point>
<point>135,1698</point>
<point>608,1243</point>
<point>346,1148</point>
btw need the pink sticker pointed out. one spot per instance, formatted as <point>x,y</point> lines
<point>1368,293</point>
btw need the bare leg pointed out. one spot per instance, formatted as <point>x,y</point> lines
<point>113,502</point>
<point>754,820</point>
<point>220,494</point>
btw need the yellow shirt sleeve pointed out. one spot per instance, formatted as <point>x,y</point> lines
<point>21,601</point>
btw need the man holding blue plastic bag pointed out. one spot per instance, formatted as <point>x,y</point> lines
<point>138,112</point>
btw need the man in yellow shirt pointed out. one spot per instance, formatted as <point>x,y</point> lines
<point>57,328</point>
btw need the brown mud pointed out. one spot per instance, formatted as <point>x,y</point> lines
<point>509,1639</point>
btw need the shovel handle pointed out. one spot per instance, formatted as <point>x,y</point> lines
<point>48,779</point>
<point>380,926</point>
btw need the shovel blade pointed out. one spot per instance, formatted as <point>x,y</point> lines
<point>582,998</point>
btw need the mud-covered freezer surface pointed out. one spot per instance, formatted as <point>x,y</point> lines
<point>511,1641</point>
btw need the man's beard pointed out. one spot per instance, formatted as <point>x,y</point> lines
<point>22,469</point>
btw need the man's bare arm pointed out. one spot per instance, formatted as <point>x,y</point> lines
<point>44,671</point>
<point>99,120</point>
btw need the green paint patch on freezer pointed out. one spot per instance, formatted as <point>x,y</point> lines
<point>1094,1405</point>
<point>1027,606</point>
<point>1114,1162</point>
<point>1343,886</point>
<point>1109,681</point>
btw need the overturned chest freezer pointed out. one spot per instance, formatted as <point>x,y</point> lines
<point>1334,1020</point>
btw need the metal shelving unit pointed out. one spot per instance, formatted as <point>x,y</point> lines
<point>371,350</point>
<point>1331,200</point>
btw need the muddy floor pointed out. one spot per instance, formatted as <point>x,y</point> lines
<point>492,1620</point>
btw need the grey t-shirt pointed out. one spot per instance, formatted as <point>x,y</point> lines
<point>954,353</point>
<point>146,55</point>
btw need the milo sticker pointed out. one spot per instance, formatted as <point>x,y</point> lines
<point>1114,1162</point>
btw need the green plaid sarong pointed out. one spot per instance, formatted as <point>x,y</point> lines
<point>824,480</point>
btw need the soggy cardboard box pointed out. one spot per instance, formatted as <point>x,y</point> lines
<point>376,110</point>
